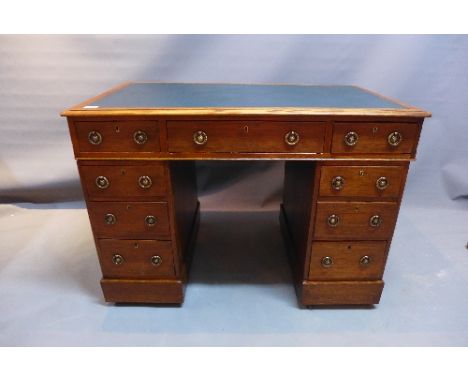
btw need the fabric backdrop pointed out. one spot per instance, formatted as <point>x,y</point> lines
<point>42,75</point>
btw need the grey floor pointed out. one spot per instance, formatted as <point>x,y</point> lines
<point>240,291</point>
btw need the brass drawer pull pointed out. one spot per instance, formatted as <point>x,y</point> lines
<point>327,262</point>
<point>95,138</point>
<point>292,138</point>
<point>150,220</point>
<point>117,259</point>
<point>395,138</point>
<point>140,137</point>
<point>110,219</point>
<point>102,182</point>
<point>375,221</point>
<point>156,260</point>
<point>365,260</point>
<point>145,181</point>
<point>337,183</point>
<point>200,137</point>
<point>351,138</point>
<point>382,183</point>
<point>333,220</point>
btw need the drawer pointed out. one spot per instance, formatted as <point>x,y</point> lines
<point>347,260</point>
<point>117,136</point>
<point>129,220</point>
<point>115,182</point>
<point>355,220</point>
<point>364,181</point>
<point>376,138</point>
<point>245,136</point>
<point>136,258</point>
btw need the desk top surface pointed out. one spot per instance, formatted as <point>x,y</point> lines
<point>188,98</point>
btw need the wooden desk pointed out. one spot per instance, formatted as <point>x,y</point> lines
<point>347,152</point>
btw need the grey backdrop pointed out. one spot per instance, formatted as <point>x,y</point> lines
<point>240,290</point>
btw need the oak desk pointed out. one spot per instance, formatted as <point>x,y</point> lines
<point>347,152</point>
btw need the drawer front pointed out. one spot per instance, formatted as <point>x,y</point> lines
<point>136,258</point>
<point>129,220</point>
<point>245,136</point>
<point>355,220</point>
<point>117,136</point>
<point>364,181</point>
<point>375,138</point>
<point>347,260</point>
<point>118,182</point>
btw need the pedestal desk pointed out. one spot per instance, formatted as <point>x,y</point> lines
<point>346,152</point>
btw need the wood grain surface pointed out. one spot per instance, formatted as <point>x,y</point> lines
<point>341,292</point>
<point>136,256</point>
<point>354,220</point>
<point>124,181</point>
<point>346,258</point>
<point>130,220</point>
<point>373,137</point>
<point>245,136</point>
<point>162,291</point>
<point>361,181</point>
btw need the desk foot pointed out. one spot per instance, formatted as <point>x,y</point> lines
<point>143,291</point>
<point>341,292</point>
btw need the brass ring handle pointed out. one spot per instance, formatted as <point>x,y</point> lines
<point>375,221</point>
<point>292,138</point>
<point>156,260</point>
<point>351,138</point>
<point>110,219</point>
<point>333,220</point>
<point>140,137</point>
<point>102,182</point>
<point>150,221</point>
<point>117,259</point>
<point>200,137</point>
<point>365,260</point>
<point>382,183</point>
<point>145,181</point>
<point>327,262</point>
<point>337,183</point>
<point>394,138</point>
<point>94,137</point>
